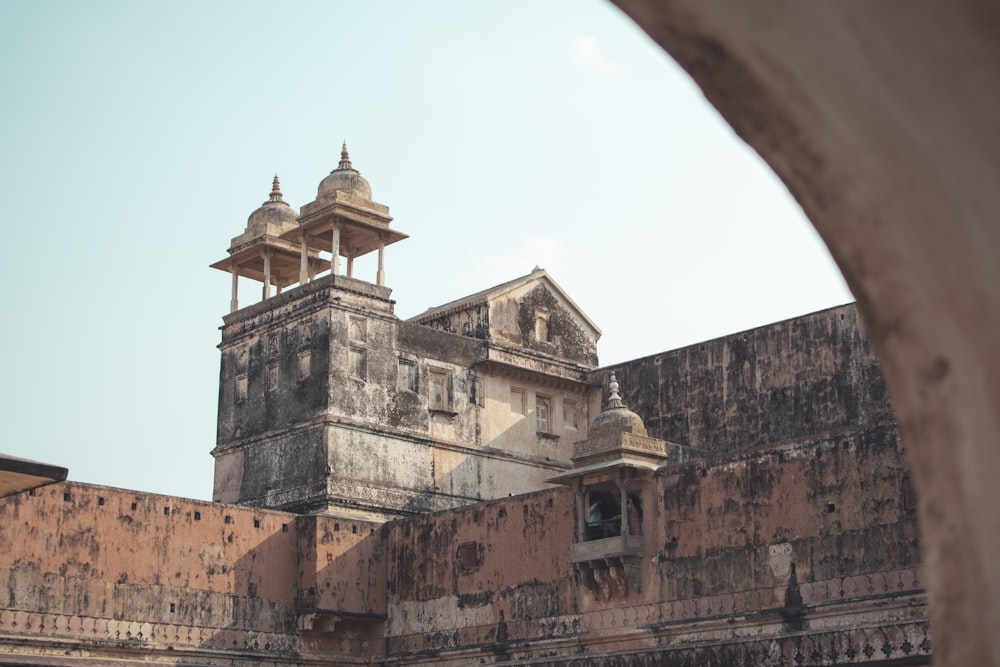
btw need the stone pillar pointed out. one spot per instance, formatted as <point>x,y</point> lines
<point>267,272</point>
<point>350,266</point>
<point>380,277</point>
<point>234,302</point>
<point>581,512</point>
<point>624,505</point>
<point>304,261</point>
<point>335,250</point>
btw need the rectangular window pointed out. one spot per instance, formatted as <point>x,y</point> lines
<point>305,364</point>
<point>241,387</point>
<point>358,363</point>
<point>438,390</point>
<point>571,413</point>
<point>407,378</point>
<point>358,330</point>
<point>542,327</point>
<point>517,400</point>
<point>543,414</point>
<point>272,376</point>
<point>476,392</point>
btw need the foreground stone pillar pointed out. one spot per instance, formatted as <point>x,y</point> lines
<point>880,118</point>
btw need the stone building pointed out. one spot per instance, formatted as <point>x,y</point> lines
<point>470,487</point>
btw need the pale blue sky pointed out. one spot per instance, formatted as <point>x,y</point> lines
<point>137,137</point>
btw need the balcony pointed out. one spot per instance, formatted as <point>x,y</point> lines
<point>619,546</point>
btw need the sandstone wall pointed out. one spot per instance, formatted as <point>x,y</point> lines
<point>813,539</point>
<point>114,573</point>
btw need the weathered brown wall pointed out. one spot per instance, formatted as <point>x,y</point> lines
<point>79,564</point>
<point>722,543</point>
<point>804,376</point>
<point>833,506</point>
<point>452,575</point>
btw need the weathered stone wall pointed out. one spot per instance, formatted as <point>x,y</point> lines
<point>515,320</point>
<point>794,379</point>
<point>512,317</point>
<point>328,403</point>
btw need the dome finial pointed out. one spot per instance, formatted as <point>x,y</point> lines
<point>614,400</point>
<point>276,190</point>
<point>345,158</point>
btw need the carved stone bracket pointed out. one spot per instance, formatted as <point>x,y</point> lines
<point>611,577</point>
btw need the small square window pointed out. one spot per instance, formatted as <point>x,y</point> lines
<point>135,506</point>
<point>256,523</point>
<point>228,519</point>
<point>543,414</point>
<point>100,500</point>
<point>407,378</point>
<point>197,515</point>
<point>359,363</point>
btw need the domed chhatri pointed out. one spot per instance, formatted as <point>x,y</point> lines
<point>345,178</point>
<point>275,211</point>
<point>616,418</point>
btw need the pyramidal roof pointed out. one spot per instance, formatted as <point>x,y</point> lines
<point>537,274</point>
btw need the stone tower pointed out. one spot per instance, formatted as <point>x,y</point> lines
<point>328,403</point>
<point>294,384</point>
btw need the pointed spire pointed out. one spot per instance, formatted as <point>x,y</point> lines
<point>614,400</point>
<point>276,191</point>
<point>345,158</point>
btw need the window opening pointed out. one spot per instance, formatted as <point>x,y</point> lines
<point>604,517</point>
<point>543,414</point>
<point>438,390</point>
<point>359,363</point>
<point>359,330</point>
<point>542,327</point>
<point>407,378</point>
<point>517,400</point>
<point>305,364</point>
